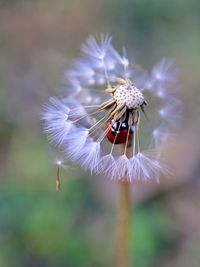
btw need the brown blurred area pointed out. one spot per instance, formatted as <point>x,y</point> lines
<point>38,41</point>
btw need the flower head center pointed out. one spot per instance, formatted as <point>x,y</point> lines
<point>129,95</point>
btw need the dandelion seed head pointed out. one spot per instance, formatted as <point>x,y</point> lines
<point>129,95</point>
<point>106,95</point>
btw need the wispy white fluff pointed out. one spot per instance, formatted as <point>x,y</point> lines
<point>162,78</point>
<point>57,132</point>
<point>143,167</point>
<point>55,110</point>
<point>108,167</point>
<point>75,142</point>
<point>165,70</point>
<point>55,120</point>
<point>163,82</point>
<point>80,71</point>
<point>123,166</point>
<point>96,49</point>
<point>172,114</point>
<point>153,166</point>
<point>139,167</point>
<point>134,170</point>
<point>102,63</point>
<point>123,61</point>
<point>61,164</point>
<point>138,170</point>
<point>159,134</point>
<point>58,158</point>
<point>89,155</point>
<point>162,93</point>
<point>77,113</point>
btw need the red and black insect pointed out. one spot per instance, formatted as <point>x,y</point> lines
<point>120,131</point>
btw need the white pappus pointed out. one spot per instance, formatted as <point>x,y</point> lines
<point>110,100</point>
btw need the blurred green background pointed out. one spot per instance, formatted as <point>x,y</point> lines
<point>75,228</point>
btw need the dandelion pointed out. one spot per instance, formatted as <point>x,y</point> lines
<point>60,163</point>
<point>113,120</point>
<point>110,99</point>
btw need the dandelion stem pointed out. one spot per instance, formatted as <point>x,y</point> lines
<point>122,234</point>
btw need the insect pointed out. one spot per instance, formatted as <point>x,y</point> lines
<point>123,110</point>
<point>118,134</point>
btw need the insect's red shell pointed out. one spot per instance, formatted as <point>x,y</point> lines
<point>121,136</point>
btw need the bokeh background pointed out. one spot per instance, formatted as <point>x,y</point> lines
<point>75,227</point>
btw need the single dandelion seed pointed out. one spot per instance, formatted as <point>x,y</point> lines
<point>58,178</point>
<point>59,164</point>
